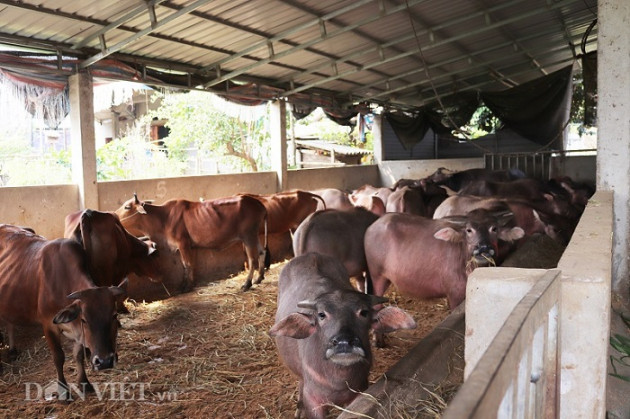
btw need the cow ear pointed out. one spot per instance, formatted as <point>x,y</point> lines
<point>121,289</point>
<point>295,325</point>
<point>67,314</point>
<point>448,234</point>
<point>511,234</point>
<point>141,209</point>
<point>391,318</point>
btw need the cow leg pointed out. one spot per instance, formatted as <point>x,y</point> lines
<point>52,339</point>
<point>79,357</point>
<point>188,260</point>
<point>255,260</point>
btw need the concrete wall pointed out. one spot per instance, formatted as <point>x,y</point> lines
<point>113,194</point>
<point>344,177</point>
<point>584,315</point>
<point>42,208</point>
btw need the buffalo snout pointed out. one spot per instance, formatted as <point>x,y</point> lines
<point>345,350</point>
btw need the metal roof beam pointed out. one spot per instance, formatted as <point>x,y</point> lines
<point>287,32</point>
<point>379,48</point>
<point>119,22</point>
<point>168,19</point>
<point>450,61</point>
<point>302,46</point>
<point>432,45</point>
<point>401,88</point>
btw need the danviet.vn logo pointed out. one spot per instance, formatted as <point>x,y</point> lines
<point>115,391</point>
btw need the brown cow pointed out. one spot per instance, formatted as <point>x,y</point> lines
<point>210,224</point>
<point>286,210</point>
<point>322,332</point>
<point>46,282</point>
<point>428,258</point>
<point>112,252</point>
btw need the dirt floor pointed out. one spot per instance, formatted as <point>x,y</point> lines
<point>201,354</point>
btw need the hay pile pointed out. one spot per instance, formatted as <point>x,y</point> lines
<point>201,354</point>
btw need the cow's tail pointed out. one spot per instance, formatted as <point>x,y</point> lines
<point>267,253</point>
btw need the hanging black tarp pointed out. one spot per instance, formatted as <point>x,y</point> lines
<point>538,109</point>
<point>409,129</point>
<point>451,112</point>
<point>341,117</point>
<point>589,74</point>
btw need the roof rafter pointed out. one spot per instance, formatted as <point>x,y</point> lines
<point>120,45</point>
<point>144,8</point>
<point>302,46</point>
<point>436,43</point>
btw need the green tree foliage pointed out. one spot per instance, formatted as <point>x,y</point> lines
<point>197,121</point>
<point>135,157</point>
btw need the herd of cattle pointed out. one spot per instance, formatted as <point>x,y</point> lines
<point>424,236</point>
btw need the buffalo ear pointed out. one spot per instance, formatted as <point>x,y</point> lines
<point>448,234</point>
<point>295,325</point>
<point>67,314</point>
<point>391,318</point>
<point>511,234</point>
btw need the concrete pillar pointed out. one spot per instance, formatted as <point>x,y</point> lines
<point>613,121</point>
<point>278,126</point>
<point>83,139</point>
<point>377,138</point>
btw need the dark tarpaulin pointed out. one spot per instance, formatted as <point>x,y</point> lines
<point>409,129</point>
<point>301,111</point>
<point>454,111</point>
<point>538,109</point>
<point>341,117</point>
<point>589,74</point>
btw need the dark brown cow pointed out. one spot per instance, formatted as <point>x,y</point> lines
<point>427,258</point>
<point>322,332</point>
<point>286,210</point>
<point>212,224</point>
<point>338,234</point>
<point>112,252</point>
<point>46,282</point>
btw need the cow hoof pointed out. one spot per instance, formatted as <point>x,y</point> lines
<point>259,280</point>
<point>245,287</point>
<point>13,354</point>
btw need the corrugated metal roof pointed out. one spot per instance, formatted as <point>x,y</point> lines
<point>398,53</point>
<point>344,150</point>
